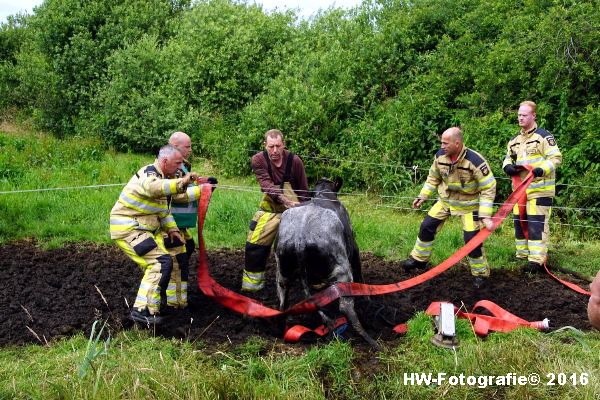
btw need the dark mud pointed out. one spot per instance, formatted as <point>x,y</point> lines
<point>48,294</point>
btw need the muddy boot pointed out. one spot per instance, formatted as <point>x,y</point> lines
<point>144,317</point>
<point>532,267</point>
<point>479,282</point>
<point>410,263</point>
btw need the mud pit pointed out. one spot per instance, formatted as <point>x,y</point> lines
<point>60,292</point>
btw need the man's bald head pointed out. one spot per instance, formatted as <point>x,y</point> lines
<point>454,134</point>
<point>182,142</point>
<point>452,141</point>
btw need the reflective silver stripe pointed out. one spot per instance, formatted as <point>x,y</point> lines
<point>487,182</point>
<point>167,187</point>
<point>423,244</point>
<point>168,220</point>
<point>114,221</point>
<point>144,207</point>
<point>460,203</point>
<point>193,193</point>
<point>545,183</point>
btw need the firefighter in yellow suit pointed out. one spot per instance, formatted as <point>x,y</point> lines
<point>138,221</point>
<point>536,147</point>
<point>466,187</point>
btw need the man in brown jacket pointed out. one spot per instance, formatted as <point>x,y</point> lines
<point>282,179</point>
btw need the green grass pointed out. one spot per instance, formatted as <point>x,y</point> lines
<point>138,365</point>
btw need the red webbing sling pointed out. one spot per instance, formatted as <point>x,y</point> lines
<point>524,226</point>
<point>245,305</point>
<point>500,320</point>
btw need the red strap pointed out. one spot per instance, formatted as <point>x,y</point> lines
<point>516,179</point>
<point>523,220</point>
<point>570,285</point>
<point>293,334</point>
<point>500,320</point>
<point>245,305</point>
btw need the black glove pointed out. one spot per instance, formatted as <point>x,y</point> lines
<point>511,170</point>
<point>537,172</point>
<point>212,180</point>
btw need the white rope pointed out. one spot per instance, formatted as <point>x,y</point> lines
<point>60,188</point>
<point>257,190</point>
<point>414,168</point>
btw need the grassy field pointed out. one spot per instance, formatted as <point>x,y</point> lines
<point>137,365</point>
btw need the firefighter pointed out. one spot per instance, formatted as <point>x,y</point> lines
<point>594,303</point>
<point>536,147</point>
<point>138,221</point>
<point>466,187</point>
<point>186,215</point>
<point>282,178</point>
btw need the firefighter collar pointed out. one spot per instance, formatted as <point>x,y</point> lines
<point>459,158</point>
<point>529,132</point>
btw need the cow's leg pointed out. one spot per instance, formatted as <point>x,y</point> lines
<point>282,284</point>
<point>347,308</point>
<point>343,273</point>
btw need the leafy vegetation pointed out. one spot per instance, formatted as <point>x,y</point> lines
<point>376,83</point>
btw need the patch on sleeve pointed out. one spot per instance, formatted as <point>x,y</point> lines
<point>484,169</point>
<point>551,140</point>
<point>151,171</point>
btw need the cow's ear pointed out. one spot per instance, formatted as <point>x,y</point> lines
<point>338,182</point>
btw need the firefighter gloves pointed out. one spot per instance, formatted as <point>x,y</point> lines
<point>510,169</point>
<point>537,172</point>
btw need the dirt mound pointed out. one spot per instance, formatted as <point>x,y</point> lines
<point>57,293</point>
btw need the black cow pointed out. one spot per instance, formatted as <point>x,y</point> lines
<point>316,244</point>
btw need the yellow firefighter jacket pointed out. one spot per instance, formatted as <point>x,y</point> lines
<point>465,185</point>
<point>537,148</point>
<point>144,203</point>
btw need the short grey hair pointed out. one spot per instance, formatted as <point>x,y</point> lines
<point>273,133</point>
<point>167,151</point>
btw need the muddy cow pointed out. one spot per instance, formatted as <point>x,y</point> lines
<point>316,244</point>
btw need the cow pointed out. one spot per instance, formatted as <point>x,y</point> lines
<point>316,244</point>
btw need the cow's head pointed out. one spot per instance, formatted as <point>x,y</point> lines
<point>327,188</point>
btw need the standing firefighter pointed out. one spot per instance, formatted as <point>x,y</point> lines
<point>138,221</point>
<point>282,178</point>
<point>466,187</point>
<point>185,213</point>
<point>536,147</point>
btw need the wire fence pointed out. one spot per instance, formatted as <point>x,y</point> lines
<point>256,190</point>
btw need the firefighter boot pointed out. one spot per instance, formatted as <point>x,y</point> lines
<point>410,263</point>
<point>479,282</point>
<point>145,317</point>
<point>532,267</point>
